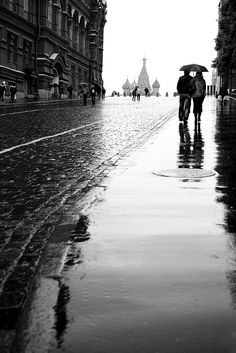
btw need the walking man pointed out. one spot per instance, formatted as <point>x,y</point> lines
<point>184,90</point>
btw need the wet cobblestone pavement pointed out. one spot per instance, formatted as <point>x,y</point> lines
<point>158,271</point>
<point>48,156</point>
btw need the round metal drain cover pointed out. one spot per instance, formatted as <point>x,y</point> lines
<point>185,173</point>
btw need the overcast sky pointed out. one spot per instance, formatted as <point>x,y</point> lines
<point>169,33</point>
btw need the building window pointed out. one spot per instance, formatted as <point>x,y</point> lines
<point>14,6</point>
<point>12,47</point>
<point>79,74</point>
<point>59,23</point>
<point>27,6</point>
<point>27,53</point>
<point>75,28</point>
<point>50,13</point>
<point>73,76</point>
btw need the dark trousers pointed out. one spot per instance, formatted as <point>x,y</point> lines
<point>93,99</point>
<point>197,104</point>
<point>182,98</point>
<point>85,98</point>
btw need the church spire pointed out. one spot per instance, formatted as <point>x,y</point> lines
<point>143,80</point>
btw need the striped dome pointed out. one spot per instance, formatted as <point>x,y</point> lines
<point>156,84</point>
<point>126,85</point>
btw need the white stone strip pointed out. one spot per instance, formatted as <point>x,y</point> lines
<point>10,69</point>
<point>47,138</point>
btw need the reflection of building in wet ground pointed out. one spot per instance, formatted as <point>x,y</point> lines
<point>225,139</point>
<point>191,154</point>
<point>74,257</point>
<point>61,320</point>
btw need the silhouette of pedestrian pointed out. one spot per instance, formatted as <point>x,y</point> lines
<point>134,94</point>
<point>85,94</point>
<point>70,90</point>
<point>103,93</point>
<point>198,96</point>
<point>93,95</point>
<point>12,92</point>
<point>2,90</point>
<point>138,93</point>
<point>146,90</point>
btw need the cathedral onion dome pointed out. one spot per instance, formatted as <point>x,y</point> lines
<point>156,84</point>
<point>133,85</point>
<point>126,85</point>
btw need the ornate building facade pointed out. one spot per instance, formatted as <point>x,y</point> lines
<point>143,82</point>
<point>48,45</point>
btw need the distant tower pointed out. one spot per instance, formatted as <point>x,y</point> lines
<point>143,79</point>
<point>155,89</point>
<point>126,88</point>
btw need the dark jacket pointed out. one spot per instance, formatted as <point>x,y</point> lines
<point>184,84</point>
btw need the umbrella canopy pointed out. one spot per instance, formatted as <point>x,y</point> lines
<point>194,67</point>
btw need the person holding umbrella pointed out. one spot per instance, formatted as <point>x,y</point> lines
<point>184,90</point>
<point>197,88</point>
<point>199,93</point>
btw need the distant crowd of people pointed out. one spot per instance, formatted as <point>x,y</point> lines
<point>84,92</point>
<point>8,90</point>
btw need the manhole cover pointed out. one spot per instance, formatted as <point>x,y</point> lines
<point>185,173</point>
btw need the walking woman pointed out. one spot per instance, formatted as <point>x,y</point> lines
<point>198,95</point>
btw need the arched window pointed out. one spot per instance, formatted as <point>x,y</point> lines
<point>81,36</point>
<point>87,40</point>
<point>69,25</point>
<point>75,30</point>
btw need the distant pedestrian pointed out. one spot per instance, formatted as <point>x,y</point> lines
<point>85,94</point>
<point>2,90</point>
<point>103,93</point>
<point>13,92</point>
<point>138,93</point>
<point>98,91</point>
<point>198,96</point>
<point>93,95</point>
<point>146,90</point>
<point>70,90</point>
<point>134,94</point>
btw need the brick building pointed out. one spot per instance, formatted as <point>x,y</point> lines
<point>48,45</point>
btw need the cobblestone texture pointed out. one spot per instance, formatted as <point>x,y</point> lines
<point>37,179</point>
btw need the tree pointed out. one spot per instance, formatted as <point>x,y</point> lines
<point>226,39</point>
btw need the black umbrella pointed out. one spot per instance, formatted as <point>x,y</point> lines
<point>193,67</point>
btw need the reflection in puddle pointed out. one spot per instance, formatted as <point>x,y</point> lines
<point>61,320</point>
<point>74,258</point>
<point>191,152</point>
<point>225,139</point>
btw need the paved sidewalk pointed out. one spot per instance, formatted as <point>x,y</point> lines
<point>159,269</point>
